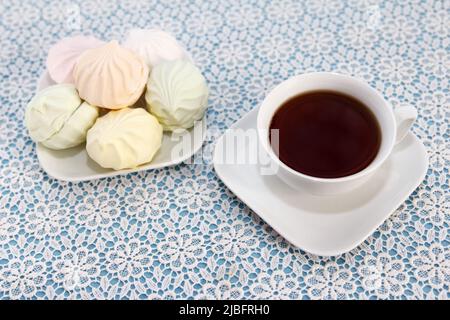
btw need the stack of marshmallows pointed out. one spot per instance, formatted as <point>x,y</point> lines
<point>96,78</point>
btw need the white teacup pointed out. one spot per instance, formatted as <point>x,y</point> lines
<point>394,125</point>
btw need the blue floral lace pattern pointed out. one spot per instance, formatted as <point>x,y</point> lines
<point>179,232</point>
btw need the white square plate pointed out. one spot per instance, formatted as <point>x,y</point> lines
<point>330,225</point>
<point>74,164</point>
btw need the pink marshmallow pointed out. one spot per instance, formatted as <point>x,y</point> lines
<point>63,56</point>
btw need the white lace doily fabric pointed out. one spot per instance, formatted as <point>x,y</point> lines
<point>179,232</point>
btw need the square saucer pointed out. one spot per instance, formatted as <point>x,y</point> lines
<point>323,225</point>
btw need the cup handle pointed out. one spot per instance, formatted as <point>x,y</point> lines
<point>404,118</point>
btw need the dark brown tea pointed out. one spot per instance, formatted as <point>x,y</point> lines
<point>326,134</point>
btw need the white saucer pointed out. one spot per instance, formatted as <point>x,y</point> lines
<point>75,165</point>
<point>332,225</point>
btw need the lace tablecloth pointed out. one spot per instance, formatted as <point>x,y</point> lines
<point>179,232</point>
